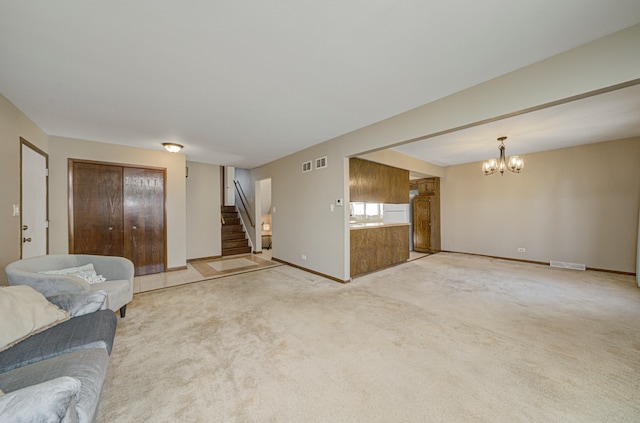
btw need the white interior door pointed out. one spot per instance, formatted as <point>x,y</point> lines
<point>229,187</point>
<point>33,202</point>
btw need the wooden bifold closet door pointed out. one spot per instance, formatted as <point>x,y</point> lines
<point>118,210</point>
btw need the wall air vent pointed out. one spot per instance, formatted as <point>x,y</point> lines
<point>564,265</point>
<point>321,163</point>
<point>306,167</point>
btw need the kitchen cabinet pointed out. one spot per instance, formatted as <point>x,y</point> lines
<point>426,216</point>
<point>425,186</point>
<point>376,247</point>
<point>377,183</point>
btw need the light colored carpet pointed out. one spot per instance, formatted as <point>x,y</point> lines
<point>446,338</point>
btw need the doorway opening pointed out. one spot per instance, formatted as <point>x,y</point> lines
<point>264,231</point>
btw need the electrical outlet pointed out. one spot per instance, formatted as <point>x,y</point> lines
<point>304,257</point>
<point>522,250</point>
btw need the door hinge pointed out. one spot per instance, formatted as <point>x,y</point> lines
<point>46,224</point>
<point>46,172</point>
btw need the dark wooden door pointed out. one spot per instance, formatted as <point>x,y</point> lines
<point>96,210</point>
<point>422,224</point>
<point>144,219</point>
<point>118,211</point>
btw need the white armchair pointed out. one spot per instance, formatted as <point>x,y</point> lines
<point>118,272</point>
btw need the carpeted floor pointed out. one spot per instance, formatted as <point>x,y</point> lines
<point>445,338</point>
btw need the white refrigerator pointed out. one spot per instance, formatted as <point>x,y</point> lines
<point>396,213</point>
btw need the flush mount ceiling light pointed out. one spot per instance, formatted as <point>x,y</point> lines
<point>514,164</point>
<point>172,147</point>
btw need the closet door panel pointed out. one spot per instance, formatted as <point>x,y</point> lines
<point>97,210</point>
<point>144,219</point>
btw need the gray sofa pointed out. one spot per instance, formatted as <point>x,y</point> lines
<point>57,375</point>
<point>118,271</point>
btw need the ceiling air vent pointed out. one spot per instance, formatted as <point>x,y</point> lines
<point>306,167</point>
<point>321,163</point>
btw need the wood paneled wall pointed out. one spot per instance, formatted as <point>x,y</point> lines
<point>378,183</point>
<point>377,248</point>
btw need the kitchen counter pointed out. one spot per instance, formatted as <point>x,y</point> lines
<point>379,245</point>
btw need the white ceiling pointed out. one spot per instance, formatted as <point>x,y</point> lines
<point>610,116</point>
<point>244,83</point>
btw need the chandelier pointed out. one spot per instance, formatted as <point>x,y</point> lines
<point>514,164</point>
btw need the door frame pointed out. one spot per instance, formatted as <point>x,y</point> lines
<point>70,163</point>
<point>25,143</point>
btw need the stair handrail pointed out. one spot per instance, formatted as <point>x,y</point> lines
<point>247,209</point>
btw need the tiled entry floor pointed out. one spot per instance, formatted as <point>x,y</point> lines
<point>202,270</point>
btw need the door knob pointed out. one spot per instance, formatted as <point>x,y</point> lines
<point>26,239</point>
<point>25,227</point>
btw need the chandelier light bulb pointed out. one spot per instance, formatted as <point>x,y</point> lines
<point>515,164</point>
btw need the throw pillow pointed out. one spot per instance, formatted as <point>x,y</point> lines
<point>86,272</point>
<point>81,302</point>
<point>25,312</point>
<point>50,401</point>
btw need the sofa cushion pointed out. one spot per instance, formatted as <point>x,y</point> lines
<point>88,366</point>
<point>93,330</point>
<point>25,312</point>
<point>50,401</point>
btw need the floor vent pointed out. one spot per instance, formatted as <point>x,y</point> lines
<point>564,265</point>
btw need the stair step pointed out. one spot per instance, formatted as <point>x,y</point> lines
<point>232,228</point>
<point>234,251</point>
<point>234,240</point>
<point>233,235</point>
<point>234,243</point>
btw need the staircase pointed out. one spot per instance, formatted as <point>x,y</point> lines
<point>234,240</point>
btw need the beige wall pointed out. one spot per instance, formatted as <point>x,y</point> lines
<point>578,205</point>
<point>61,149</point>
<point>203,211</point>
<point>402,161</point>
<point>303,223</point>
<point>13,125</point>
